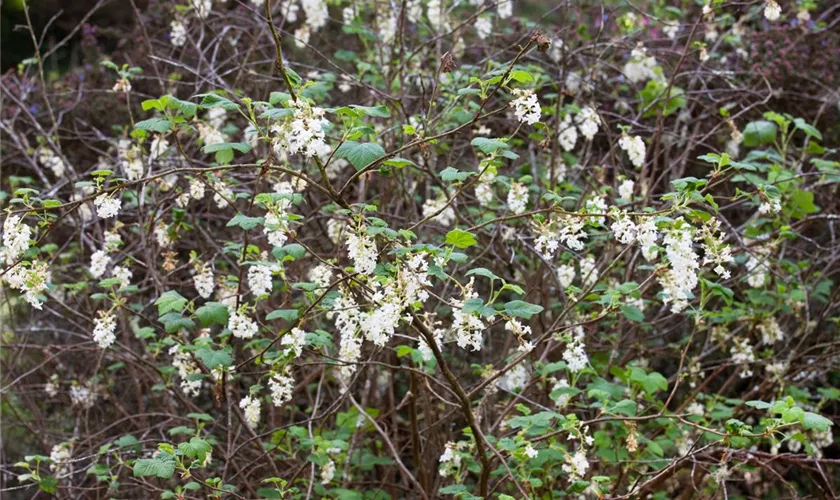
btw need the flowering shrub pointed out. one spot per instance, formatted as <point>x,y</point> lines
<point>425,249</point>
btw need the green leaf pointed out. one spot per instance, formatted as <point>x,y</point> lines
<point>170,301</point>
<point>292,251</point>
<point>360,155</point>
<point>212,358</point>
<point>460,239</point>
<point>246,222</point>
<point>760,405</point>
<point>287,314</point>
<point>483,271</point>
<point>195,448</point>
<point>242,147</point>
<point>522,309</point>
<point>158,467</point>
<point>632,313</point>
<point>154,124</point>
<point>450,174</point>
<point>216,101</point>
<point>398,162</point>
<point>625,407</point>
<point>173,322</point>
<point>212,313</point>
<point>489,146</point>
<point>377,111</point>
<point>809,130</point>
<point>759,132</point>
<point>812,420</point>
<point>521,76</point>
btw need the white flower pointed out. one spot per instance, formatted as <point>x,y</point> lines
<point>588,272</point>
<point>514,326</point>
<point>321,275</point>
<point>204,281</point>
<point>259,280</point>
<point>588,122</point>
<point>362,250</point>
<point>161,233</point>
<point>302,132</point>
<point>103,330</point>
<point>196,189</point>
<point>530,452</point>
<point>202,8</point>
<point>640,67</point>
<point>281,387</point>
<point>647,236</point>
<point>302,35</point>
<point>671,31</point>
<point>130,158</point>
<point>505,8</point>
<point>625,189</point>
<point>716,251</point>
<point>681,278</point>
<point>177,33</point>
<point>346,314</point>
<point>241,325</point>
<point>515,378</point>
<point>436,13</point>
<point>158,147</point>
<point>49,159</point>
<point>526,106</point>
<point>276,227</point>
<point>623,228</point>
<point>635,148</point>
<point>60,456</point>
<point>770,206</point>
<point>562,399</point>
<point>568,134</point>
<point>107,206</point>
<point>335,230</point>
<point>16,236</point>
<point>251,405</point>
<point>576,465</point>
<point>316,13</point>
<point>99,263</point>
<point>295,340</point>
<point>122,85</point>
<point>742,354</point>
<point>575,355</point>
<point>439,204</point>
<point>31,281</point>
<point>565,275</point>
<point>84,396</point>
<point>757,271</point>
<point>124,274</point>
<point>450,459</point>
<point>770,331</point>
<point>186,366</point>
<point>328,472</point>
<point>483,27</point>
<point>772,11</point>
<point>517,198</point>
<point>484,190</point>
<point>468,326</point>
<point>596,205</point>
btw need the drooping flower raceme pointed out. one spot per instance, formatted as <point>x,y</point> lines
<point>517,198</point>
<point>362,250</point>
<point>16,236</point>
<point>241,325</point>
<point>251,406</point>
<point>640,67</point>
<point>204,281</point>
<point>772,11</point>
<point>681,278</point>
<point>303,132</point>
<point>346,314</point>
<point>103,330</point>
<point>186,367</point>
<point>575,355</point>
<point>316,13</point>
<point>281,386</point>
<point>568,134</point>
<point>635,148</point>
<point>49,159</point>
<point>294,342</point>
<point>99,261</point>
<point>468,326</point>
<point>259,280</point>
<point>588,122</point>
<point>31,281</point>
<point>526,106</point>
<point>625,189</point>
<point>107,206</point>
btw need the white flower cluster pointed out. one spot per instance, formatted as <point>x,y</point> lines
<point>440,204</point>
<point>526,106</point>
<point>566,275</point>
<point>259,280</point>
<point>484,190</point>
<point>49,159</point>
<point>281,386</point>
<point>346,314</point>
<point>241,325</point>
<point>770,331</point>
<point>742,354</point>
<point>107,206</point>
<point>715,250</point>
<point>568,134</point>
<point>681,278</point>
<point>294,340</point>
<point>130,159</point>
<point>16,236</point>
<point>328,472</point>
<point>84,396</point>
<point>450,460</point>
<point>596,205</point>
<point>467,325</point>
<point>623,228</point>
<point>568,230</point>
<point>575,355</point>
<point>177,33</point>
<point>31,281</point>
<point>635,148</point>
<point>588,122</point>
<point>251,406</point>
<point>517,198</point>
<point>303,132</point>
<point>483,27</point>
<point>123,274</point>
<point>204,281</point>
<point>588,271</point>
<point>505,9</point>
<point>576,465</point>
<point>316,13</point>
<point>772,11</point>
<point>186,366</point>
<point>321,275</point>
<point>647,236</point>
<point>103,329</point>
<point>99,261</point>
<point>640,67</point>
<point>362,250</point>
<point>625,189</point>
<point>60,456</point>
